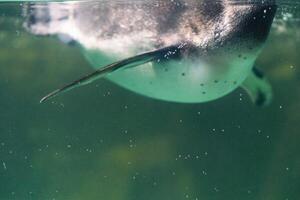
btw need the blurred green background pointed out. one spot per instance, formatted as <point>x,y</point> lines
<point>104,142</point>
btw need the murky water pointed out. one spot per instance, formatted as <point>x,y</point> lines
<point>105,142</point>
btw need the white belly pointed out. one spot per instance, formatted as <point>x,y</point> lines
<point>181,81</point>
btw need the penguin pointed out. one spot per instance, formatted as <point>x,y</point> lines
<point>186,51</point>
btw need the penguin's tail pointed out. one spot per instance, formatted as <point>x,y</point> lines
<point>47,19</point>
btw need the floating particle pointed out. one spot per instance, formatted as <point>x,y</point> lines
<point>4,165</point>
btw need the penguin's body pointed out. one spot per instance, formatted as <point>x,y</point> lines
<point>181,50</point>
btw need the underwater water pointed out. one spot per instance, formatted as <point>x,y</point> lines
<point>105,142</point>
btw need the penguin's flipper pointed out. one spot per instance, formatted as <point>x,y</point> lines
<point>258,88</point>
<point>152,56</point>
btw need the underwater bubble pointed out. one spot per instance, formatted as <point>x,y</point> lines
<point>4,165</point>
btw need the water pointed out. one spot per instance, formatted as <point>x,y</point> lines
<point>105,142</point>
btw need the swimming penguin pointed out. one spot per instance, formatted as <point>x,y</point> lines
<point>187,51</point>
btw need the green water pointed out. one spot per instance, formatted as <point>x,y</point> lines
<point>104,142</point>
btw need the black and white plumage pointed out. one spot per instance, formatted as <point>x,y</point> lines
<point>174,50</point>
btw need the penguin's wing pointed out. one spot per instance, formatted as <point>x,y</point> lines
<point>258,88</point>
<point>152,56</point>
